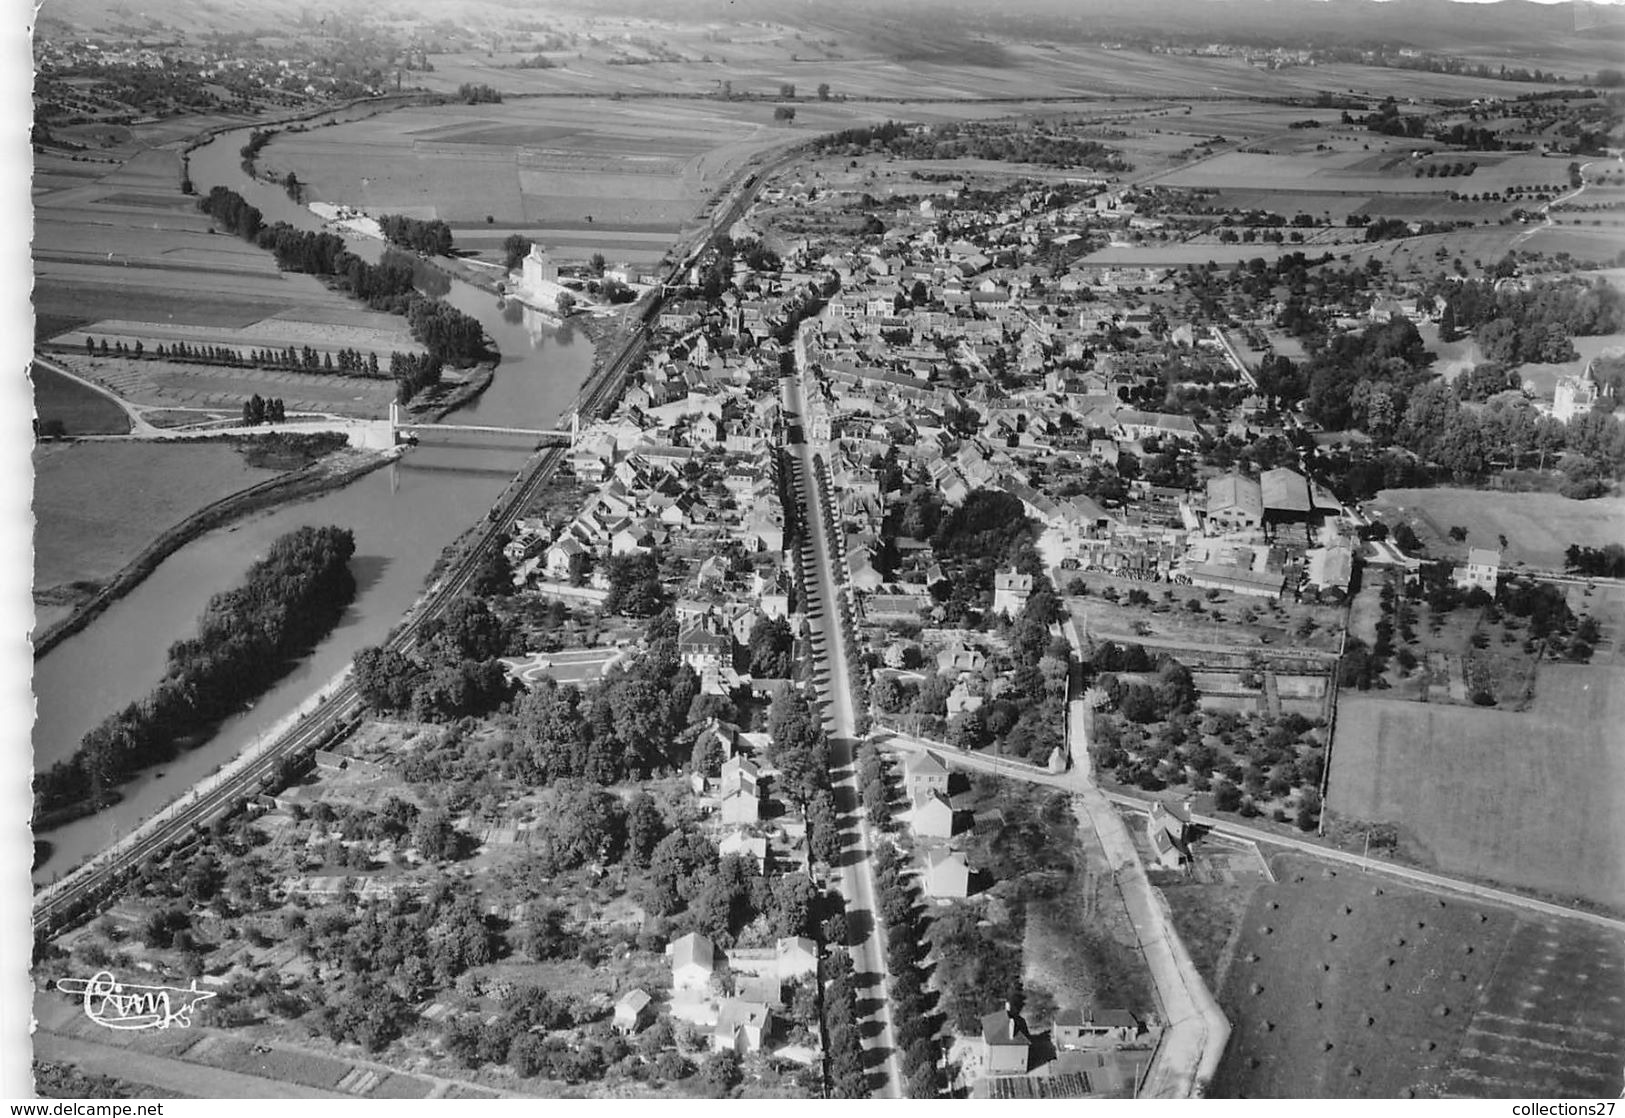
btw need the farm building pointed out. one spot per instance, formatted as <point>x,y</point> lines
<point>1331,569</point>
<point>1481,570</point>
<point>1005,1044</point>
<point>1075,1028</point>
<point>633,1011</point>
<point>1285,495</point>
<point>1234,502</point>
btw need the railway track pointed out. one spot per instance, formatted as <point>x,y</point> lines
<point>82,890</point>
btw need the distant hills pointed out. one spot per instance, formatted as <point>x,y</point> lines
<point>1424,24</point>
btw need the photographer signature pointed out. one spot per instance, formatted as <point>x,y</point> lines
<point>123,1005</point>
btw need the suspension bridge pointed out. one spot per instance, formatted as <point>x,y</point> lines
<point>405,428</point>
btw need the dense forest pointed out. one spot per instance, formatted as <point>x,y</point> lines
<point>289,600</point>
<point>977,140</point>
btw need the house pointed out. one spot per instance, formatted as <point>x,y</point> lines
<point>797,955</point>
<point>961,701</point>
<point>693,958</point>
<point>1482,569</point>
<point>633,1011</point>
<point>1074,1028</point>
<point>742,1026</point>
<point>1234,502</point>
<point>1005,1044</point>
<point>958,658</point>
<point>560,555</point>
<point>1172,833</point>
<point>925,772</point>
<point>947,874</point>
<point>702,649</point>
<point>741,843</point>
<point>1010,591</point>
<point>932,816</point>
<point>741,774</point>
<point>741,809</point>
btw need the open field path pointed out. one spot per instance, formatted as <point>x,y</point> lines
<point>1546,221</point>
<point>139,427</point>
<point>167,1073</point>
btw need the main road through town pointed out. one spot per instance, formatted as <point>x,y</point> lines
<point>856,879</point>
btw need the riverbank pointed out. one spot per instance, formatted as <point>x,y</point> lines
<point>471,388</point>
<point>331,472</point>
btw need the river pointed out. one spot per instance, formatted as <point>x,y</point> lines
<point>403,516</point>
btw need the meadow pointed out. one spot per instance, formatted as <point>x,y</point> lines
<point>1528,800</point>
<point>80,410</point>
<point>115,240</point>
<point>97,504</point>
<point>1538,527</point>
<point>1348,985</point>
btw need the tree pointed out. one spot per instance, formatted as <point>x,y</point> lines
<point>785,113</point>
<point>515,247</point>
<point>565,304</point>
<point>770,646</point>
<point>645,827</point>
<point>597,263</point>
<point>823,91</point>
<point>1448,331</point>
<point>720,1074</point>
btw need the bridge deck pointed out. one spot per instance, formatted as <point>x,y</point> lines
<point>482,429</point>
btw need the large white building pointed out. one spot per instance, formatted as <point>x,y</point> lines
<point>1574,396</point>
<point>539,284</point>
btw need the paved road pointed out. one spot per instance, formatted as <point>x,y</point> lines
<point>1195,1029</point>
<point>856,879</point>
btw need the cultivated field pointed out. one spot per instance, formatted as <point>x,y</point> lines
<point>158,388</point>
<point>117,245</point>
<point>97,504</point>
<point>618,177</point>
<point>1347,985</point>
<point>80,410</point>
<point>1530,800</point>
<point>1538,526</point>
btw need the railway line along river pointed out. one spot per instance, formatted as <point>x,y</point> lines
<point>403,517</point>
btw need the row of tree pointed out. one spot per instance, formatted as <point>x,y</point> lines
<point>843,1037</point>
<point>245,638</point>
<point>447,333</point>
<point>258,410</point>
<point>915,1018</point>
<point>348,362</point>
